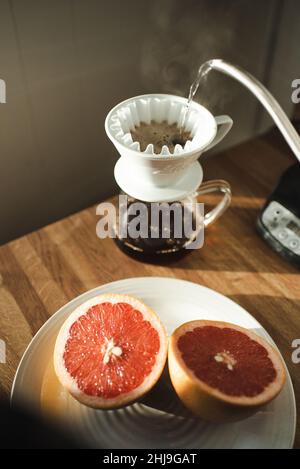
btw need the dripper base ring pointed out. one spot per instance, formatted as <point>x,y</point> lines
<point>147,192</point>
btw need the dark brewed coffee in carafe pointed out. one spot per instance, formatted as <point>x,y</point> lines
<point>171,229</point>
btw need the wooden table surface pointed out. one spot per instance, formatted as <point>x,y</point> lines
<point>45,269</point>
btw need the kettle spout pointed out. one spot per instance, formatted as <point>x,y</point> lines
<point>265,97</point>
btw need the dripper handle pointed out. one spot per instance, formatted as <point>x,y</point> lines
<point>224,124</point>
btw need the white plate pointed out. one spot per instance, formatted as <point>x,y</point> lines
<point>157,422</point>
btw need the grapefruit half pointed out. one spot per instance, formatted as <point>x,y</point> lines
<point>221,371</point>
<point>110,351</point>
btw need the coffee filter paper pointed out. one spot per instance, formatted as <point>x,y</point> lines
<point>138,110</point>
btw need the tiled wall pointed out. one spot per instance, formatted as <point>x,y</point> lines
<point>67,62</point>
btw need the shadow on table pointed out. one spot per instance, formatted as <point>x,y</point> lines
<point>23,429</point>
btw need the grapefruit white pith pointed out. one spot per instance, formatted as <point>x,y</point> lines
<point>221,371</point>
<point>110,351</point>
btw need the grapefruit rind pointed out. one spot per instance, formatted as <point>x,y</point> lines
<point>124,399</point>
<point>211,403</point>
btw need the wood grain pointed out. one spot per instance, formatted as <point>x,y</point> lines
<point>43,270</point>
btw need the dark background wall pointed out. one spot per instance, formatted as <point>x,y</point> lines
<point>67,62</point>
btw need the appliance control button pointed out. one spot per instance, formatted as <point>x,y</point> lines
<point>294,243</point>
<point>282,234</point>
<point>274,223</point>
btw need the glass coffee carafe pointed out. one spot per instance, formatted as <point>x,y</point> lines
<point>169,227</point>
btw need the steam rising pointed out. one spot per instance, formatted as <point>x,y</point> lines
<point>186,34</point>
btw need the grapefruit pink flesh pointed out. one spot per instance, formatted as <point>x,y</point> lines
<point>233,362</point>
<point>110,350</point>
<point>222,371</point>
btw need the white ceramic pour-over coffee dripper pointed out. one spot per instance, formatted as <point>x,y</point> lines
<point>165,177</point>
<point>162,177</point>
